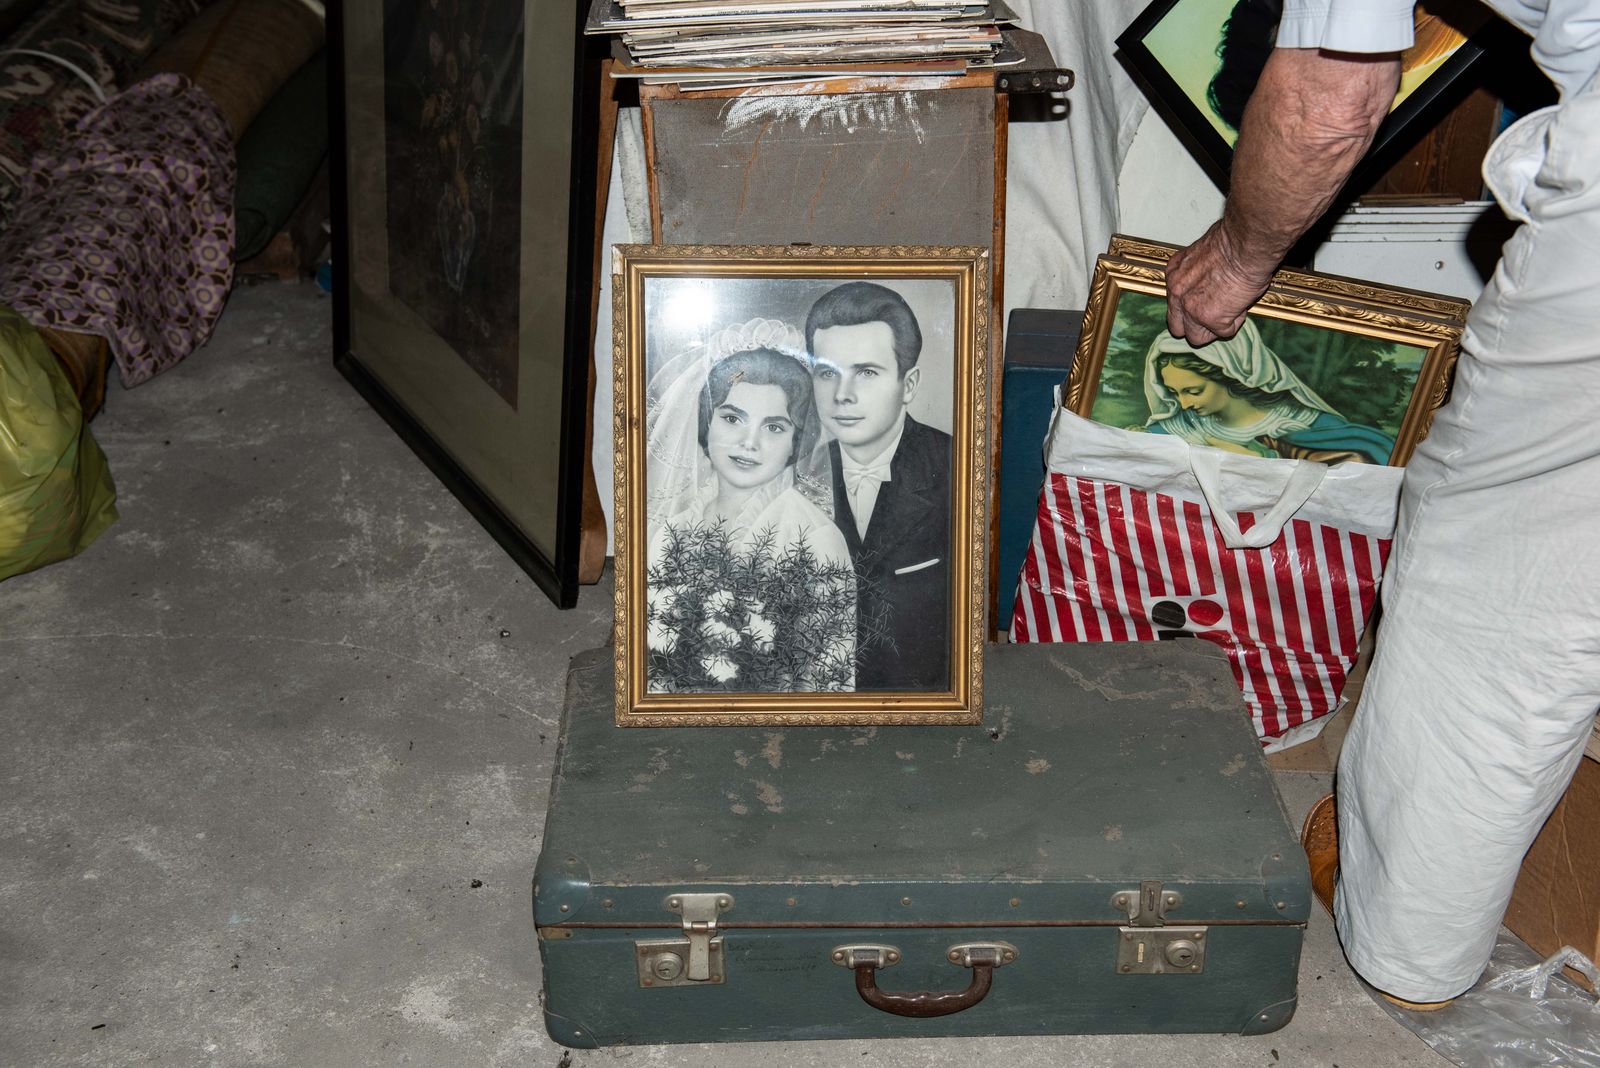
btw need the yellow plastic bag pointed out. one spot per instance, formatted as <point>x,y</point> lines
<point>56,494</point>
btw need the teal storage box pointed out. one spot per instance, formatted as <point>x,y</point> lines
<point>1040,344</point>
<point>1106,854</point>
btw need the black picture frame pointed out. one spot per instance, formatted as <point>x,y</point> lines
<point>494,493</point>
<point>1443,88</point>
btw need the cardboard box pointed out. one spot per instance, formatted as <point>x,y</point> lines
<point>1557,897</point>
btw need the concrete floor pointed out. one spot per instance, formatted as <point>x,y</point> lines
<point>268,735</point>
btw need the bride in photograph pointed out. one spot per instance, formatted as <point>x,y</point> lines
<point>750,584</point>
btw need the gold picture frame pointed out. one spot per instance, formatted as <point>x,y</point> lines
<point>1363,366</point>
<point>747,592</point>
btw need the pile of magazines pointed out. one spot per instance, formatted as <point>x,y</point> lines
<point>723,43</point>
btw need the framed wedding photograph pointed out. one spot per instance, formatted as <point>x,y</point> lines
<point>1324,368</point>
<point>464,184</point>
<point>1199,61</point>
<point>801,440</point>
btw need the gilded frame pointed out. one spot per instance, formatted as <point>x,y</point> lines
<point>1428,323</point>
<point>971,385</point>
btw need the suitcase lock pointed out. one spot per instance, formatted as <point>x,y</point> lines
<point>696,958</point>
<point>1147,946</point>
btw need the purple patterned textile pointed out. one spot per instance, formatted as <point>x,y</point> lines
<point>126,229</point>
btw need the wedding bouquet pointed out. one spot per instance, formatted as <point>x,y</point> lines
<point>748,615</point>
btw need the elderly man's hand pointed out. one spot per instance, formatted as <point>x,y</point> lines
<point>1208,290</point>
<point>1309,120</point>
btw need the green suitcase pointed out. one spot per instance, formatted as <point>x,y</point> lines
<point>1106,854</point>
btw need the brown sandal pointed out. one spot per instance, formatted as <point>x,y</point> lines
<point>1320,839</point>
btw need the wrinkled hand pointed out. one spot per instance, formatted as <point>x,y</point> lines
<point>1209,289</point>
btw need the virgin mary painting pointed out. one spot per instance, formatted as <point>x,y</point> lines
<point>1237,394</point>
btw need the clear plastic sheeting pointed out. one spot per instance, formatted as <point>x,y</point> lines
<point>1523,1013</point>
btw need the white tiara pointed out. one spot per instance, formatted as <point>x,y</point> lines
<point>771,334</point>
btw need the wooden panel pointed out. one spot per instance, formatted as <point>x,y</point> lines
<point>910,167</point>
<point>1447,161</point>
<point>997,351</point>
<point>592,539</point>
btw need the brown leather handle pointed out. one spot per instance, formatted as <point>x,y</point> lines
<point>923,1003</point>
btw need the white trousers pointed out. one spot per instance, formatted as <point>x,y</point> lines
<point>1487,673</point>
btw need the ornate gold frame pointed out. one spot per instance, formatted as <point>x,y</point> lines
<point>1407,316</point>
<point>969,269</point>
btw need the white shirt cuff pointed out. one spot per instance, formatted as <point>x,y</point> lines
<point>1347,25</point>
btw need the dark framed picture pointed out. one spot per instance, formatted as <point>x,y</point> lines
<point>801,484</point>
<point>1199,61</point>
<point>463,177</point>
<point>1324,368</point>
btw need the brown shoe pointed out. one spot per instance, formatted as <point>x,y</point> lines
<point>1320,839</point>
<point>1416,1006</point>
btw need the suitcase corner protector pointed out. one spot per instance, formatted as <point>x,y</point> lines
<point>1271,1018</point>
<point>561,889</point>
<point>569,1033</point>
<point>1286,882</point>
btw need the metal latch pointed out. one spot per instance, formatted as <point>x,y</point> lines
<point>1148,905</point>
<point>1147,946</point>
<point>1161,950</point>
<point>694,959</point>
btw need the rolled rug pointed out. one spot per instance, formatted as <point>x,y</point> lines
<point>241,52</point>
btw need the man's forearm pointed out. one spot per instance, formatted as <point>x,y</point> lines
<point>1308,123</point>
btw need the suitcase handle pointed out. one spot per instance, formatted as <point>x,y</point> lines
<point>982,957</point>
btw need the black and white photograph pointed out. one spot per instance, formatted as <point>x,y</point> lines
<point>800,451</point>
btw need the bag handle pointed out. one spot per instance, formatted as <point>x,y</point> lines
<point>1206,464</point>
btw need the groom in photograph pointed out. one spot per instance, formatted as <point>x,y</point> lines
<point>891,483</point>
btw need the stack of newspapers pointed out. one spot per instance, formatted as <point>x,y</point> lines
<point>724,43</point>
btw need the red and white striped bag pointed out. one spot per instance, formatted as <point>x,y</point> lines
<point>1142,537</point>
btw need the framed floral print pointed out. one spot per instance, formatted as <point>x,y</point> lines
<point>464,182</point>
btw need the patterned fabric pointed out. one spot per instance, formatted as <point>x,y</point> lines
<point>127,230</point>
<point>41,99</point>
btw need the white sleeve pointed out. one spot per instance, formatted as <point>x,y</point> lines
<point>1347,25</point>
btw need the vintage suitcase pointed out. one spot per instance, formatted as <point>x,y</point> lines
<point>1106,854</point>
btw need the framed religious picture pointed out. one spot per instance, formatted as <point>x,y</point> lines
<point>1324,368</point>
<point>464,250</point>
<point>1199,61</point>
<point>802,490</point>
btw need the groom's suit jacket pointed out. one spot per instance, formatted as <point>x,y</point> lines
<point>903,603</point>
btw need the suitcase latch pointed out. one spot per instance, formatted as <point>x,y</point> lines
<point>1147,946</point>
<point>694,959</point>
<point>1148,905</point>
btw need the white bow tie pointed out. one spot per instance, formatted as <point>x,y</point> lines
<point>854,477</point>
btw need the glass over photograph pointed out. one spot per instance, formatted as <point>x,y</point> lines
<point>798,459</point>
